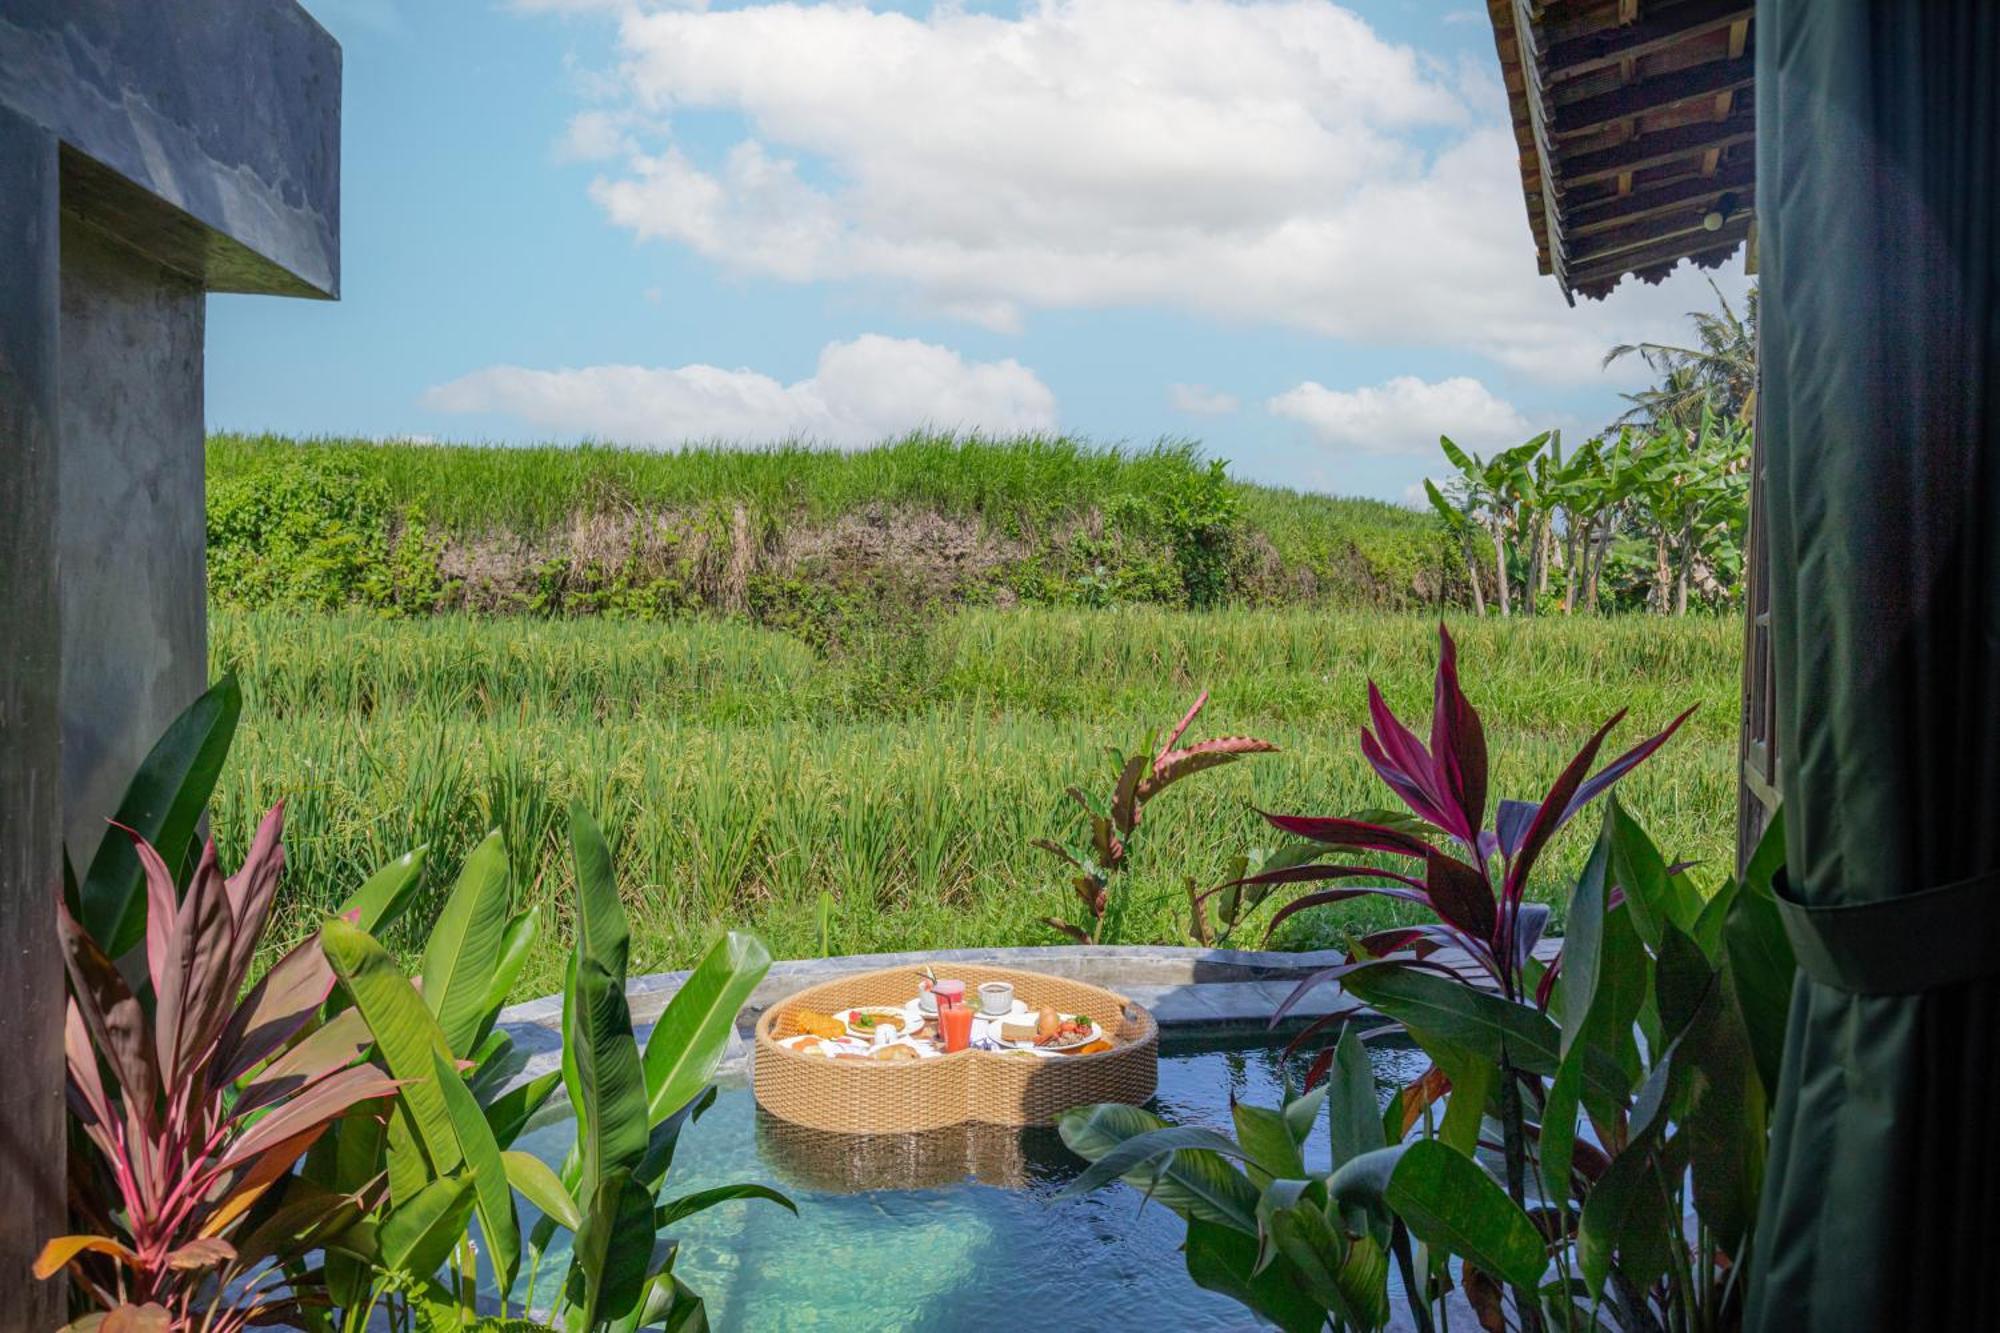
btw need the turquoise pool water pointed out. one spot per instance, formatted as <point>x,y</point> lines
<point>953,1230</point>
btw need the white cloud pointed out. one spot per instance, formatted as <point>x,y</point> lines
<point>1270,161</point>
<point>603,6</point>
<point>862,391</point>
<point>595,136</point>
<point>1201,400</point>
<point>1405,415</point>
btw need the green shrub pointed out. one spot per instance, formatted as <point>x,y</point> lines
<point>1194,512</point>
<point>319,531</point>
<point>307,531</point>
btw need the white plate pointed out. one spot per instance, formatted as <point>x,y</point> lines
<point>1096,1033</point>
<point>846,1017</point>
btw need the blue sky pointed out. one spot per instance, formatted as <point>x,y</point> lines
<point>1289,229</point>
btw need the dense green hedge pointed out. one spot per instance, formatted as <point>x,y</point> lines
<point>792,537</point>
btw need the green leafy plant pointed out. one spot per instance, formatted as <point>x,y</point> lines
<point>631,1106</point>
<point>437,1142</point>
<point>1493,504</point>
<point>1658,1023</point>
<point>1305,1251</point>
<point>1103,861</point>
<point>163,805</point>
<point>196,1099</point>
<point>1690,491</point>
<point>1662,505</point>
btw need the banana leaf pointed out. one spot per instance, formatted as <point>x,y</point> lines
<point>417,1237</point>
<point>384,895</point>
<point>692,1035</point>
<point>162,804</point>
<point>463,946</point>
<point>1450,1203</point>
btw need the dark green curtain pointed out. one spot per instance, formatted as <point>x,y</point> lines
<point>1878,163</point>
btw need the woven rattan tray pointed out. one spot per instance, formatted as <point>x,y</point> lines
<point>987,1087</point>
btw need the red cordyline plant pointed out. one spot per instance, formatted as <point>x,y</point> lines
<point>1474,879</point>
<point>199,1103</point>
<point>1141,777</point>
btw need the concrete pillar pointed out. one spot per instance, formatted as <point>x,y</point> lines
<point>151,151</point>
<point>31,978</point>
<point>130,532</point>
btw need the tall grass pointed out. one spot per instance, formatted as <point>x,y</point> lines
<point>469,488</point>
<point>1020,487</point>
<point>740,776</point>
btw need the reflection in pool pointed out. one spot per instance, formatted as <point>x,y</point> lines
<point>956,1229</point>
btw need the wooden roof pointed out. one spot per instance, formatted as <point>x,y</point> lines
<point>1636,129</point>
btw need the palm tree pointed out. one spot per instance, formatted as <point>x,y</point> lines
<point>1720,371</point>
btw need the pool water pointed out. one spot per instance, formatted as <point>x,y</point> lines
<point>955,1229</point>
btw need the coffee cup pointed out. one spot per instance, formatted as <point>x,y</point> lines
<point>996,998</point>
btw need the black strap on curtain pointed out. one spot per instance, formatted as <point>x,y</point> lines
<point>1897,946</point>
<point>1878,200</point>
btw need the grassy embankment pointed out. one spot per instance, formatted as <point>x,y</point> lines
<point>742,773</point>
<point>827,545</point>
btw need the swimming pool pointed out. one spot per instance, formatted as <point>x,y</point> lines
<point>954,1229</point>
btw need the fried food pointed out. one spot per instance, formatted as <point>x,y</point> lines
<point>895,1054</point>
<point>819,1025</point>
<point>1073,1027</point>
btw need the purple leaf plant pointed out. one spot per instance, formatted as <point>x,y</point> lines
<point>1471,877</point>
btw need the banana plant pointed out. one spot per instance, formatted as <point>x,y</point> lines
<point>1497,497</point>
<point>436,1143</point>
<point>1692,491</point>
<point>1590,492</point>
<point>631,1104</point>
<point>1462,523</point>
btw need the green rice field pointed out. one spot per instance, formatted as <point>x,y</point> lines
<point>885,797</point>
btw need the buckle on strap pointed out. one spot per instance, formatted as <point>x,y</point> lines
<point>1907,945</point>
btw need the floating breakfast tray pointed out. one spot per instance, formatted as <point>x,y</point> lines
<point>989,1087</point>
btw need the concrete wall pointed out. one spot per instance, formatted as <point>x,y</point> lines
<point>149,150</point>
<point>131,531</point>
<point>31,978</point>
<point>205,131</point>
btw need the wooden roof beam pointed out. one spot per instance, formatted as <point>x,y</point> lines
<point>1584,252</point>
<point>1617,211</point>
<point>1658,148</point>
<point>1706,80</point>
<point>1567,59</point>
<point>1584,275</point>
